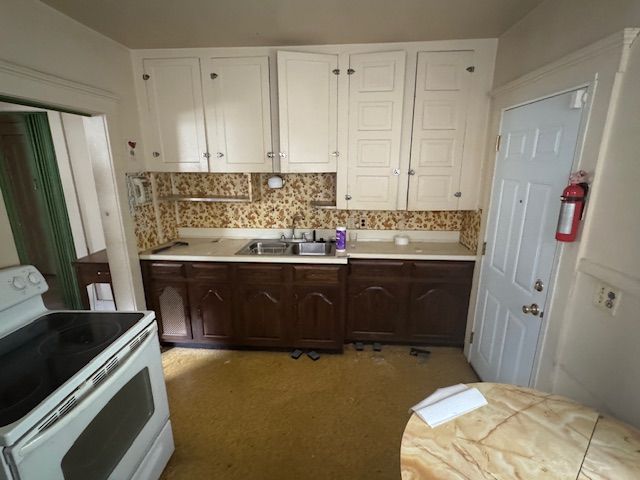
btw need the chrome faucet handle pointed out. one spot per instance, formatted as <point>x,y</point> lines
<point>305,237</point>
<point>283,237</point>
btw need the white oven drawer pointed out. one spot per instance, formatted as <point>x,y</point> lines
<point>110,430</point>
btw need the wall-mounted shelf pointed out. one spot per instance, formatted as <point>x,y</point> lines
<point>323,204</point>
<point>185,198</point>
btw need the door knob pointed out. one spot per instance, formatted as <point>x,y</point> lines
<point>533,309</point>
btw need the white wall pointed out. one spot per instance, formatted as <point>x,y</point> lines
<point>599,355</point>
<point>43,40</point>
<point>556,28</point>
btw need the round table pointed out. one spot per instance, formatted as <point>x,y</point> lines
<point>522,434</point>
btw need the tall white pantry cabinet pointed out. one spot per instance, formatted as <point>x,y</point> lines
<point>403,125</point>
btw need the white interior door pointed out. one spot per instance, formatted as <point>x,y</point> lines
<point>439,124</point>
<point>236,92</point>
<point>376,94</point>
<point>308,108</point>
<point>538,142</point>
<point>175,115</point>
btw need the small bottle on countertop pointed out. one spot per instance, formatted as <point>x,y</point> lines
<point>341,239</point>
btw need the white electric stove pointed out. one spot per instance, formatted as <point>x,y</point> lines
<point>82,394</point>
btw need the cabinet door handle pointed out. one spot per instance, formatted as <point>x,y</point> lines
<point>412,172</point>
<point>156,154</point>
<point>283,154</point>
<point>457,194</point>
<point>219,154</point>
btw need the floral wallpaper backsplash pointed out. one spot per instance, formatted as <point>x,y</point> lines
<point>158,223</point>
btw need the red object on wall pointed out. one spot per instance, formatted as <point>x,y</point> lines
<point>573,198</point>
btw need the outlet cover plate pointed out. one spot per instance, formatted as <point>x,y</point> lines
<point>606,298</point>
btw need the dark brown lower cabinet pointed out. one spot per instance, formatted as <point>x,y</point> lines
<point>377,309</point>
<point>261,315</point>
<point>252,305</point>
<point>318,320</point>
<point>309,306</point>
<point>212,312</point>
<point>170,301</point>
<point>421,302</point>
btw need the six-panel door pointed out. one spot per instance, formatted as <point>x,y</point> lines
<point>376,96</point>
<point>439,126</point>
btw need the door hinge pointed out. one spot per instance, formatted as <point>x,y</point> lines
<point>336,71</point>
<point>146,76</point>
<point>471,337</point>
<point>484,248</point>
<point>351,71</point>
<point>498,142</point>
<point>471,69</point>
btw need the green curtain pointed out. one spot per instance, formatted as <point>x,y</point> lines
<point>48,177</point>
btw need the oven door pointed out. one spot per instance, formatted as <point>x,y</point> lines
<point>109,432</point>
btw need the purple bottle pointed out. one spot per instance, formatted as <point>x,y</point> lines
<point>341,239</point>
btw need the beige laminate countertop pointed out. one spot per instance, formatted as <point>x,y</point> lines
<point>224,250</point>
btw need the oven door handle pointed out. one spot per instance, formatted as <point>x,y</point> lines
<point>39,437</point>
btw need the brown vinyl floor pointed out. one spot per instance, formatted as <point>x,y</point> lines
<point>261,415</point>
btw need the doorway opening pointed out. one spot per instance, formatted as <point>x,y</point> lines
<point>34,201</point>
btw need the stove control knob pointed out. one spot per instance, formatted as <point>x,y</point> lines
<point>19,283</point>
<point>34,278</point>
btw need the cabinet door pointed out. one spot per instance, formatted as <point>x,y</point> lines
<point>318,317</point>
<point>376,310</point>
<point>438,313</point>
<point>261,315</point>
<point>439,121</point>
<point>170,301</point>
<point>175,125</point>
<point>376,94</point>
<point>308,108</point>
<point>236,92</point>
<point>211,312</point>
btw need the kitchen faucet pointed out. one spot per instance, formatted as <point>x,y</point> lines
<point>296,218</point>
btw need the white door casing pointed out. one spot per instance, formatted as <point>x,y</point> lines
<point>443,83</point>
<point>308,109</point>
<point>376,96</point>
<point>538,144</point>
<point>238,112</point>
<point>176,128</point>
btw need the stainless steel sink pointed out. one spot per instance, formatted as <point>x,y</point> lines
<point>313,248</point>
<point>278,248</point>
<point>259,247</point>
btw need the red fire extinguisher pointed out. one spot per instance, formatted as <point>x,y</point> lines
<point>573,198</point>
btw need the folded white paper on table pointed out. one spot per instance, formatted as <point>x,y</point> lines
<point>448,403</point>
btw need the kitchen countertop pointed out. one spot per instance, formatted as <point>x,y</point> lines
<point>224,249</point>
<point>522,433</point>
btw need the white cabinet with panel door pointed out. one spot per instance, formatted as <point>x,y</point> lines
<point>376,96</point>
<point>238,112</point>
<point>174,123</point>
<point>443,83</point>
<point>308,109</point>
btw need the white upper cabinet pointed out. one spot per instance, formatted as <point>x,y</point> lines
<point>376,96</point>
<point>308,109</point>
<point>238,112</point>
<point>175,116</point>
<point>443,83</point>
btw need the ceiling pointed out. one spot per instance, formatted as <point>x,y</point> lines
<point>212,23</point>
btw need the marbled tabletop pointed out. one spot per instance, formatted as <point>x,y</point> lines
<point>522,434</point>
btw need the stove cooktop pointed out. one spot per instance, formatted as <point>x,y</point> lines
<point>42,356</point>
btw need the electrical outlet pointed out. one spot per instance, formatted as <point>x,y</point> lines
<point>363,222</point>
<point>607,298</point>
